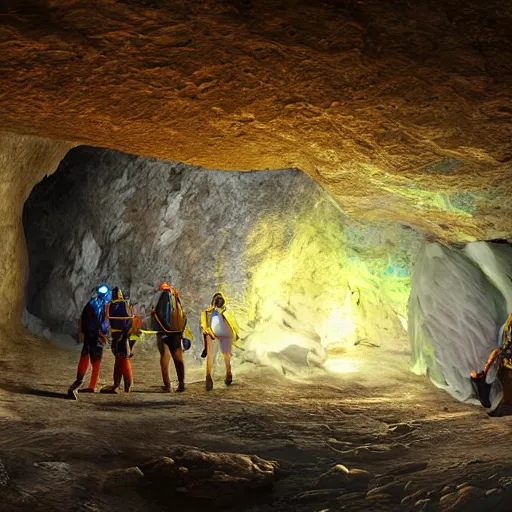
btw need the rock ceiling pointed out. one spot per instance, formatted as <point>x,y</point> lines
<point>401,110</point>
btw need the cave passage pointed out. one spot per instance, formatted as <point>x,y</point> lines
<point>334,304</point>
<point>311,288</point>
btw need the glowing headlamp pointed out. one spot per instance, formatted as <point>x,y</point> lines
<point>103,289</point>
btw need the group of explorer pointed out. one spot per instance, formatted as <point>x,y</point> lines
<point>110,315</point>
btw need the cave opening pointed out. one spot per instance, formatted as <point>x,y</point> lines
<point>313,290</point>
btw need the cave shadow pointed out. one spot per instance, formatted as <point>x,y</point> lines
<point>26,390</point>
<point>46,394</point>
<point>142,405</point>
<point>501,411</point>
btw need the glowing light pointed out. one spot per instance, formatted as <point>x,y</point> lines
<point>311,296</point>
<point>103,289</point>
<point>340,366</point>
<point>339,327</point>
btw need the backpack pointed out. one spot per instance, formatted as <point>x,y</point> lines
<point>119,315</point>
<point>168,315</point>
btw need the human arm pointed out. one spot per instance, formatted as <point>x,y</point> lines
<point>205,327</point>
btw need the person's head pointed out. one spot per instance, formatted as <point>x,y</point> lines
<point>103,292</point>
<point>164,287</point>
<point>117,294</point>
<point>219,301</point>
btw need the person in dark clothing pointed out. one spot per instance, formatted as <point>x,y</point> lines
<point>93,330</point>
<point>169,321</point>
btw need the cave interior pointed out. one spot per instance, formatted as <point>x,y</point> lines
<point>341,171</point>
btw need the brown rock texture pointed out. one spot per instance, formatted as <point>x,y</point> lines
<point>401,110</point>
<point>23,162</point>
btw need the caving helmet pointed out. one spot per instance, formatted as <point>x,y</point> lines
<point>104,292</point>
<point>164,287</point>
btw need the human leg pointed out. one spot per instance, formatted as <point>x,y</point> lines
<point>124,351</point>
<point>210,352</point>
<point>83,364</point>
<point>127,374</point>
<point>117,362</point>
<point>225,347</point>
<point>96,356</point>
<point>165,357</point>
<point>174,343</point>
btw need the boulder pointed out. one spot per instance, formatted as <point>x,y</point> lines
<point>216,477</point>
<point>120,479</point>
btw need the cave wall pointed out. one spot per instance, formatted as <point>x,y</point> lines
<point>24,161</point>
<point>296,269</point>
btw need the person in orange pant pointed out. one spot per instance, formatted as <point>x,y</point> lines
<point>93,330</point>
<point>120,317</point>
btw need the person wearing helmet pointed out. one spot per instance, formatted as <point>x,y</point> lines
<point>93,330</point>
<point>219,329</point>
<point>120,317</point>
<point>169,320</point>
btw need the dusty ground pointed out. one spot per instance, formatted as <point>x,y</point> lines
<point>305,426</point>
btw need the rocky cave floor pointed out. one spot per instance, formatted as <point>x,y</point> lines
<point>423,450</point>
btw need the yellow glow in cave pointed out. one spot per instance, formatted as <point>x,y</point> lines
<point>339,365</point>
<point>311,291</point>
<point>339,326</point>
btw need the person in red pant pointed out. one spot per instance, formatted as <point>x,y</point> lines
<point>94,331</point>
<point>120,317</point>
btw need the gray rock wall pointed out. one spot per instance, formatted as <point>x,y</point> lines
<point>296,270</point>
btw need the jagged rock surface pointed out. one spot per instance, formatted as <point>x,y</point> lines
<point>399,110</point>
<point>302,277</point>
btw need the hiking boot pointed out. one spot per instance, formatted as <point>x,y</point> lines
<point>204,353</point>
<point>209,383</point>
<point>228,380</point>
<point>181,387</point>
<point>110,390</point>
<point>72,393</point>
<point>87,390</point>
<point>165,389</point>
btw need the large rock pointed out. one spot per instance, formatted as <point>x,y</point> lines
<point>300,275</point>
<point>217,477</point>
<point>459,300</point>
<point>118,480</point>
